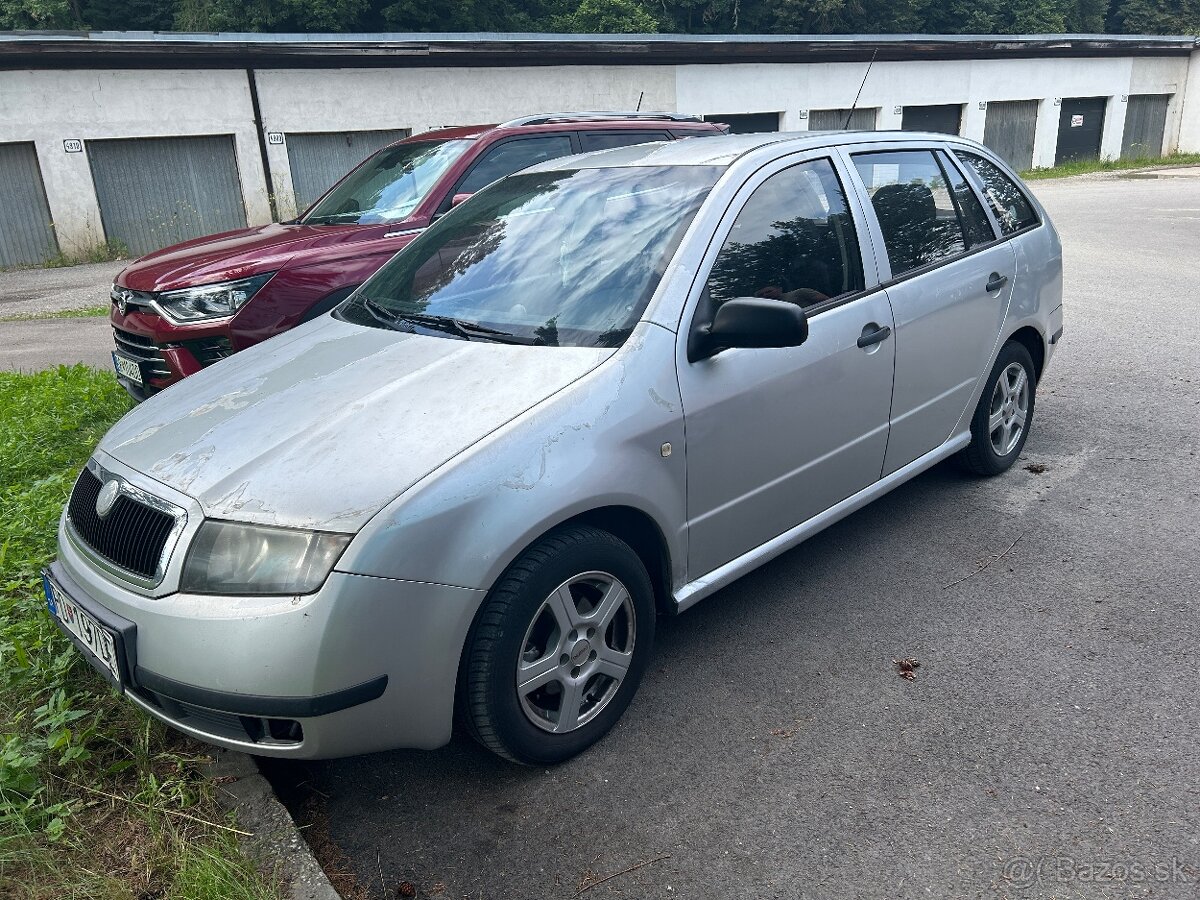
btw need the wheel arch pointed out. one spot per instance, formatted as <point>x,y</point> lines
<point>1031,339</point>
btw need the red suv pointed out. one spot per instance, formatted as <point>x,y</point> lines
<point>188,306</point>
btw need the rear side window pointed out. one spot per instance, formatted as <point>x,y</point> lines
<point>606,140</point>
<point>794,240</point>
<point>1008,202</point>
<point>513,156</point>
<point>913,204</point>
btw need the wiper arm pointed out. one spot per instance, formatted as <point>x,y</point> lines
<point>441,323</point>
<point>381,313</point>
<point>493,334</point>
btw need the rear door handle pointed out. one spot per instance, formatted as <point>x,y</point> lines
<point>873,334</point>
<point>996,282</point>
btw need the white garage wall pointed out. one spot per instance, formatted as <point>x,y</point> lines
<point>1189,110</point>
<point>423,99</point>
<point>48,107</point>
<point>892,85</point>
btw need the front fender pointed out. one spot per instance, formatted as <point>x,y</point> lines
<point>597,443</point>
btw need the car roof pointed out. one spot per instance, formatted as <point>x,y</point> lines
<point>724,150</point>
<point>592,122</point>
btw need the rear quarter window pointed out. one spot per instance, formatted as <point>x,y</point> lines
<point>1008,202</point>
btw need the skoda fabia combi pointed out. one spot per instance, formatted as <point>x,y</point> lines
<point>590,395</point>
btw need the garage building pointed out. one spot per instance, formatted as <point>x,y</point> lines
<point>148,139</point>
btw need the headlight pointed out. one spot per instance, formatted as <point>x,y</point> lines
<point>210,301</point>
<point>230,558</point>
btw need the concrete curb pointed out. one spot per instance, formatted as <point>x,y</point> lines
<point>276,844</point>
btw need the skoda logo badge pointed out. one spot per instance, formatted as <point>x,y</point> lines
<point>107,498</point>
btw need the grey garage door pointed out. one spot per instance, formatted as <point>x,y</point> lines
<point>319,160</point>
<point>26,235</point>
<point>159,191</point>
<point>944,118</point>
<point>1145,122</point>
<point>1009,130</point>
<point>835,119</point>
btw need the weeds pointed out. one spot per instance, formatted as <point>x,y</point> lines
<point>109,251</point>
<point>93,794</point>
<point>1087,166</point>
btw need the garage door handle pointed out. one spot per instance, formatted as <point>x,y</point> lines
<point>867,338</point>
<point>996,282</point>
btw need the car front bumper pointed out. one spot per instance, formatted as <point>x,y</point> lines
<point>364,664</point>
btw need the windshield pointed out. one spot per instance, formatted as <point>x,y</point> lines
<point>562,258</point>
<point>388,186</point>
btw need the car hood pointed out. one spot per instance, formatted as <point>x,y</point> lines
<point>325,425</point>
<point>246,252</point>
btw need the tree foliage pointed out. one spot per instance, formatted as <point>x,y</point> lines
<point>618,16</point>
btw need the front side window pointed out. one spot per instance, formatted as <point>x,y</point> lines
<point>1007,200</point>
<point>561,258</point>
<point>794,240</point>
<point>388,186</point>
<point>912,201</point>
<point>513,156</point>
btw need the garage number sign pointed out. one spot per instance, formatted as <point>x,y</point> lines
<point>73,145</point>
<point>1076,121</point>
<point>274,137</point>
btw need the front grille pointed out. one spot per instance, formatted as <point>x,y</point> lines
<point>141,301</point>
<point>143,349</point>
<point>209,350</point>
<point>131,536</point>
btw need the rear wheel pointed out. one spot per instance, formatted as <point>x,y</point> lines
<point>1004,413</point>
<point>559,647</point>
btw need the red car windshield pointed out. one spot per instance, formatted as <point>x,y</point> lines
<point>388,186</point>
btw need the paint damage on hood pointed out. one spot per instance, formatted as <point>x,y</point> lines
<point>323,426</point>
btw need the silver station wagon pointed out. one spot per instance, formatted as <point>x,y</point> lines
<point>592,394</point>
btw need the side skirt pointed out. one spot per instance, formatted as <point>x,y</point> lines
<point>695,591</point>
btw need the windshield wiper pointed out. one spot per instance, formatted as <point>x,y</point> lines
<point>466,330</point>
<point>333,218</point>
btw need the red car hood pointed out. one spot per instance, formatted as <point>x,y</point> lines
<point>249,251</point>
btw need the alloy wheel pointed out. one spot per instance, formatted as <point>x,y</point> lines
<point>1009,409</point>
<point>576,652</point>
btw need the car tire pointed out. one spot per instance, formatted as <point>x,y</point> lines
<point>1003,415</point>
<point>574,612</point>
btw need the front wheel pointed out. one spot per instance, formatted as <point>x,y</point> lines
<point>559,647</point>
<point>1004,414</point>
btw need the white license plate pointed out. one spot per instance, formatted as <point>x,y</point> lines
<point>127,368</point>
<point>94,636</point>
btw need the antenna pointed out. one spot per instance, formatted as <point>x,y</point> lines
<point>854,105</point>
<point>639,106</point>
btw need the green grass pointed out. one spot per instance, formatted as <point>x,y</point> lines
<point>88,312</point>
<point>96,799</point>
<point>1087,166</point>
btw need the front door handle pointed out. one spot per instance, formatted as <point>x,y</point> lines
<point>996,282</point>
<point>873,334</point>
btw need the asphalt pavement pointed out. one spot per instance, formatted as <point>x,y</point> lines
<point>40,343</point>
<point>1046,747</point>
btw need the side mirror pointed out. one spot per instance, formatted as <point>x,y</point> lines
<point>753,322</point>
<point>459,198</point>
